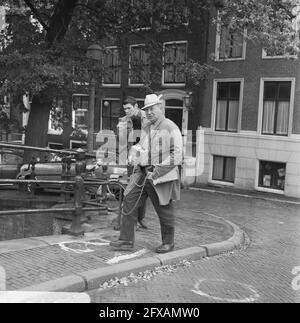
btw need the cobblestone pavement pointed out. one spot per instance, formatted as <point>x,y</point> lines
<point>262,272</point>
<point>33,266</point>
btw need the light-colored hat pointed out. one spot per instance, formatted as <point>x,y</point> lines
<point>152,99</point>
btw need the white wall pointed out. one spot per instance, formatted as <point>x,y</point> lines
<point>249,148</point>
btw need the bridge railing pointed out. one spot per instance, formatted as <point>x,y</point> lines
<point>78,186</point>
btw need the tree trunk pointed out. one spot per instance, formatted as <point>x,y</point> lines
<point>37,128</point>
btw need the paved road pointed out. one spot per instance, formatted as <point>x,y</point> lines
<point>261,272</point>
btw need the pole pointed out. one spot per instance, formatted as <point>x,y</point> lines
<point>91,114</point>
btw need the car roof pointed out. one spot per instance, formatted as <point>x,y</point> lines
<point>12,152</point>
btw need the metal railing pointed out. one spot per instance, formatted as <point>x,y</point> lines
<point>78,185</point>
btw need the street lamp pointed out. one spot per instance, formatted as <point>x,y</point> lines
<point>187,99</point>
<point>93,52</point>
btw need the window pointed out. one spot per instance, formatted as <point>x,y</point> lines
<point>230,44</point>
<point>276,108</point>
<point>227,107</point>
<point>224,169</point>
<point>112,62</point>
<point>139,65</point>
<point>55,126</point>
<point>110,114</point>
<point>80,113</point>
<point>174,111</point>
<point>143,20</point>
<point>272,175</point>
<point>55,145</point>
<point>80,76</point>
<point>75,144</point>
<point>174,14</point>
<point>284,45</point>
<point>175,58</point>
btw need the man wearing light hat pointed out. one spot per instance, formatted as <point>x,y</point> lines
<point>156,176</point>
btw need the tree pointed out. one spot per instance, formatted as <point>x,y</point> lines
<point>45,39</point>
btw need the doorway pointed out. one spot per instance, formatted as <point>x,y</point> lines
<point>174,111</point>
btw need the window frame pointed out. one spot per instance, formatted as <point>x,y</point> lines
<point>232,183</point>
<point>146,28</point>
<point>73,111</point>
<point>265,56</point>
<point>77,82</point>
<point>296,22</point>
<point>101,112</point>
<point>163,63</point>
<point>261,105</point>
<point>214,103</point>
<point>266,189</point>
<point>130,59</point>
<point>218,47</point>
<point>52,131</point>
<point>114,85</point>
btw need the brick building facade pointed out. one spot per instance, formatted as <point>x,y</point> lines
<point>250,118</point>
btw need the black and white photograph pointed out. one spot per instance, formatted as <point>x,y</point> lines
<point>149,154</point>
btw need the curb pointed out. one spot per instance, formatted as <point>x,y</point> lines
<point>92,279</point>
<point>235,242</point>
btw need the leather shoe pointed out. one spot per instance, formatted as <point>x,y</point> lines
<point>143,224</point>
<point>122,245</point>
<point>164,248</point>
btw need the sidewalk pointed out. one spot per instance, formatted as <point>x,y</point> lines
<point>64,263</point>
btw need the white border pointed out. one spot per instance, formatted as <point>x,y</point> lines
<point>214,103</point>
<point>261,104</point>
<point>218,46</point>
<point>113,85</point>
<point>163,64</point>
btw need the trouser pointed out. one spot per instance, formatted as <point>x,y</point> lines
<point>136,198</point>
<point>142,211</point>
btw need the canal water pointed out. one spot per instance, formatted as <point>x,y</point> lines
<point>24,226</point>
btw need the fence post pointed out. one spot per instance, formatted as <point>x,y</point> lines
<point>66,176</point>
<point>32,186</point>
<point>63,178</point>
<point>76,227</point>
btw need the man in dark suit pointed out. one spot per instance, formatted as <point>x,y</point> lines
<point>134,120</point>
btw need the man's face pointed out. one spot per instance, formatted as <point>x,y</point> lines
<point>129,109</point>
<point>154,113</point>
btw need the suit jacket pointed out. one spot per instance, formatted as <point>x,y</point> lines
<point>164,143</point>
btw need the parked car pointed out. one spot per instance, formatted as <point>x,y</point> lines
<point>53,171</point>
<point>10,163</point>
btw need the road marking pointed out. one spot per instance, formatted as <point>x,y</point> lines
<point>119,257</point>
<point>254,296</point>
<point>63,245</point>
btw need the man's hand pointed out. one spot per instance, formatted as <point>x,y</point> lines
<point>149,175</point>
